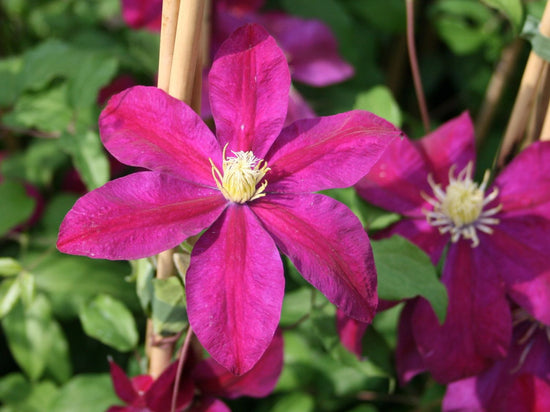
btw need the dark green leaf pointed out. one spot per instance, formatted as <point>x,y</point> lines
<point>20,395</point>
<point>86,393</point>
<point>9,70</point>
<point>405,271</point>
<point>110,322</point>
<point>94,72</point>
<point>169,307</point>
<point>388,15</point>
<point>16,206</point>
<point>512,9</point>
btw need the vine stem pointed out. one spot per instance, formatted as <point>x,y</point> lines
<point>183,356</point>
<point>179,67</point>
<point>414,67</point>
<point>526,95</point>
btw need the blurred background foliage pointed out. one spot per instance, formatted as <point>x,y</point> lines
<point>62,316</point>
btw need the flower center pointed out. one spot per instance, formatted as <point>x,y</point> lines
<point>459,209</point>
<point>241,174</point>
<point>528,334</point>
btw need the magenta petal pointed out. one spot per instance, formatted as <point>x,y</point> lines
<point>122,384</point>
<point>145,127</point>
<point>328,246</point>
<point>137,216</point>
<point>453,143</point>
<point>214,380</point>
<point>351,332</point>
<point>408,361</point>
<point>525,183</point>
<point>249,83</point>
<point>478,325</point>
<point>235,289</point>
<point>209,404</point>
<point>159,396</point>
<point>298,108</point>
<point>311,49</point>
<point>327,152</point>
<point>142,13</point>
<point>461,396</point>
<point>397,180</point>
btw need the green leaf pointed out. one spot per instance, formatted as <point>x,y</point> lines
<point>9,70</point>
<point>27,285</point>
<point>512,9</point>
<point>539,43</point>
<point>56,209</point>
<point>144,272</point>
<point>294,402</point>
<point>28,335</point>
<point>86,393</point>
<point>20,395</point>
<point>47,111</point>
<point>296,305</point>
<point>58,364</point>
<point>405,271</point>
<point>380,101</point>
<point>388,15</point>
<point>94,72</point>
<point>9,267</point>
<point>16,206</point>
<point>169,307</point>
<point>110,322</point>
<point>88,156</point>
<point>10,291</point>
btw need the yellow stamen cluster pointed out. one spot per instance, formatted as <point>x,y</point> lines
<point>241,175</point>
<point>459,209</point>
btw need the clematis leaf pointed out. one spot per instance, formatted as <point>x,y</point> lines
<point>9,68</point>
<point>27,286</point>
<point>110,322</point>
<point>539,43</point>
<point>296,305</point>
<point>169,306</point>
<point>405,271</point>
<point>19,207</point>
<point>18,394</point>
<point>86,393</point>
<point>10,291</point>
<point>381,102</point>
<point>512,9</point>
<point>9,266</point>
<point>144,272</point>
<point>93,72</point>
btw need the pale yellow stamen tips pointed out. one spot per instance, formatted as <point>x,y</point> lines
<point>241,175</point>
<point>458,209</point>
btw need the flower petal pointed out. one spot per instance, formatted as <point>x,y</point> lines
<point>311,49</point>
<point>121,383</point>
<point>396,181</point>
<point>145,127</point>
<point>328,246</point>
<point>453,143</point>
<point>408,361</point>
<point>298,108</point>
<point>138,216</point>
<point>249,83</point>
<point>159,396</point>
<point>235,287</point>
<point>520,245</point>
<point>214,380</point>
<point>350,332</point>
<point>142,13</point>
<point>327,152</point>
<point>478,326</point>
<point>525,183</point>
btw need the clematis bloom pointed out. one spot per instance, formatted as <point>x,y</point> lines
<point>497,239</point>
<point>249,186</point>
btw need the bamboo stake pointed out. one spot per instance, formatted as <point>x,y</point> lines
<point>525,97</point>
<point>170,9</point>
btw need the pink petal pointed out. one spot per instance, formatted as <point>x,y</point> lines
<point>328,246</point>
<point>214,380</point>
<point>450,144</point>
<point>159,396</point>
<point>138,215</point>
<point>298,108</point>
<point>122,384</point>
<point>396,181</point>
<point>327,152</point>
<point>311,49</point>
<point>145,127</point>
<point>351,333</point>
<point>249,83</point>
<point>478,325</point>
<point>408,361</point>
<point>209,404</point>
<point>142,13</point>
<point>525,183</point>
<point>520,245</point>
<point>462,395</point>
<point>235,289</point>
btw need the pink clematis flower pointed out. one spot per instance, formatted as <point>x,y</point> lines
<point>201,384</point>
<point>519,382</point>
<point>309,45</point>
<point>249,187</point>
<point>497,239</point>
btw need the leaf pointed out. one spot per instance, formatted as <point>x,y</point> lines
<point>88,156</point>
<point>169,307</point>
<point>296,305</point>
<point>379,100</point>
<point>393,12</point>
<point>27,285</point>
<point>47,111</point>
<point>86,393</point>
<point>10,291</point>
<point>294,402</point>
<point>58,364</point>
<point>405,271</point>
<point>539,43</point>
<point>23,396</point>
<point>9,266</point>
<point>93,72</point>
<point>512,9</point>
<point>144,272</point>
<point>110,322</point>
<point>16,206</point>
<point>9,71</point>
